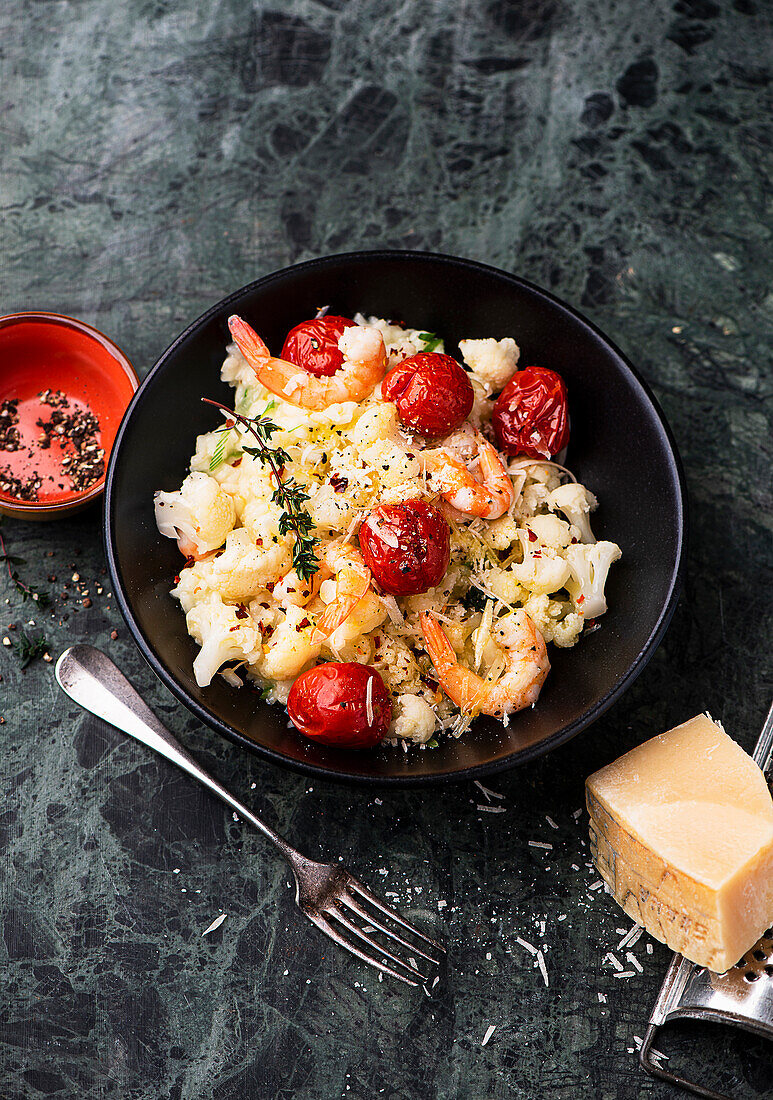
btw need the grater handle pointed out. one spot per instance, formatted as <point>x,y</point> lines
<point>763,750</point>
<point>649,1062</point>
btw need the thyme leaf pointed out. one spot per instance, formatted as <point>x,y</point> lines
<point>431,340</point>
<point>289,495</point>
<point>27,592</point>
<point>27,647</point>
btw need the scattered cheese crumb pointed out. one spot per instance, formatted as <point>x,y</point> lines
<point>489,1032</point>
<point>540,844</point>
<point>602,999</point>
<point>625,974</point>
<point>487,791</point>
<point>615,962</point>
<point>550,821</point>
<point>543,968</point>
<point>529,946</point>
<point>634,962</point>
<point>490,809</point>
<point>216,924</point>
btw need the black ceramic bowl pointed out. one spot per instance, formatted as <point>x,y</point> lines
<point>620,448</point>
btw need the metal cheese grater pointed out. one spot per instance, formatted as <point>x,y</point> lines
<point>743,996</point>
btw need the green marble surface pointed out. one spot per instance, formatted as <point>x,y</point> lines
<point>155,156</point>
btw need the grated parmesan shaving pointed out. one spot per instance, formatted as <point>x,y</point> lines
<point>543,968</point>
<point>540,844</point>
<point>634,961</point>
<point>369,700</point>
<point>489,1032</point>
<point>490,809</point>
<point>489,794</point>
<point>214,925</point>
<point>528,946</point>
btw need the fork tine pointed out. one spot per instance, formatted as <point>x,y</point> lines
<point>353,904</point>
<point>354,884</point>
<point>414,970</point>
<point>329,930</point>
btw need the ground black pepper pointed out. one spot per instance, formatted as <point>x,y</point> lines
<point>74,428</point>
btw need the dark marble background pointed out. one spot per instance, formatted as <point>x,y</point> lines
<point>155,155</point>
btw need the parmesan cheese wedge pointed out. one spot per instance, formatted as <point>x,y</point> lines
<point>682,833</point>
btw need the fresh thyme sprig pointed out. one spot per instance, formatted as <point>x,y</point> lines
<point>29,646</point>
<point>289,495</point>
<point>41,597</point>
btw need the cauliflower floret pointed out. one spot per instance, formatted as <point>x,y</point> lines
<point>244,567</point>
<point>551,531</point>
<point>542,570</point>
<point>195,584</point>
<point>391,463</point>
<point>566,631</point>
<point>236,368</point>
<point>414,719</point>
<point>589,568</point>
<point>555,622</point>
<point>378,421</point>
<point>199,515</point>
<point>397,665</point>
<point>576,502</point>
<point>222,635</point>
<point>207,444</point>
<point>505,585</point>
<point>494,362</point>
<point>290,649</point>
<point>331,510</point>
<point>502,533</point>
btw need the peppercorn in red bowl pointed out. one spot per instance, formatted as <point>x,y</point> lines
<point>63,390</point>
<point>619,446</point>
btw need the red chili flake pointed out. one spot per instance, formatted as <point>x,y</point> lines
<point>339,483</point>
<point>177,579</point>
<point>242,612</point>
<point>574,540</point>
<point>530,533</point>
<point>189,561</point>
<point>232,628</point>
<point>258,542</point>
<point>303,623</point>
<point>230,423</point>
<point>537,554</point>
<point>271,586</point>
<point>238,462</point>
<point>580,599</point>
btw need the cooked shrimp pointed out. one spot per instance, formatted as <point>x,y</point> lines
<point>365,362</point>
<point>352,580</point>
<point>489,498</point>
<point>526,666</point>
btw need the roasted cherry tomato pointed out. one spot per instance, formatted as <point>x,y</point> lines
<point>336,704</point>
<point>531,415</point>
<point>406,546</point>
<point>432,393</point>
<point>313,345</point>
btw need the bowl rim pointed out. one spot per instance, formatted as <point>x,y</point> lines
<point>477,771</point>
<point>37,509</point>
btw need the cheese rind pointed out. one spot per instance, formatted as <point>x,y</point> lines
<point>682,833</point>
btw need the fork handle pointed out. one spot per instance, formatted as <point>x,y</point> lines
<point>90,678</point>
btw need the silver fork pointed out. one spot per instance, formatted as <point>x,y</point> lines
<point>326,893</point>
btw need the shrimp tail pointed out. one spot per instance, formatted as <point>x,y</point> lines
<point>341,608</point>
<point>247,340</point>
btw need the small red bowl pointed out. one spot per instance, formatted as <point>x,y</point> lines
<point>46,351</point>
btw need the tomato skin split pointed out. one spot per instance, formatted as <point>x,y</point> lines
<point>531,414</point>
<point>329,704</point>
<point>406,546</point>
